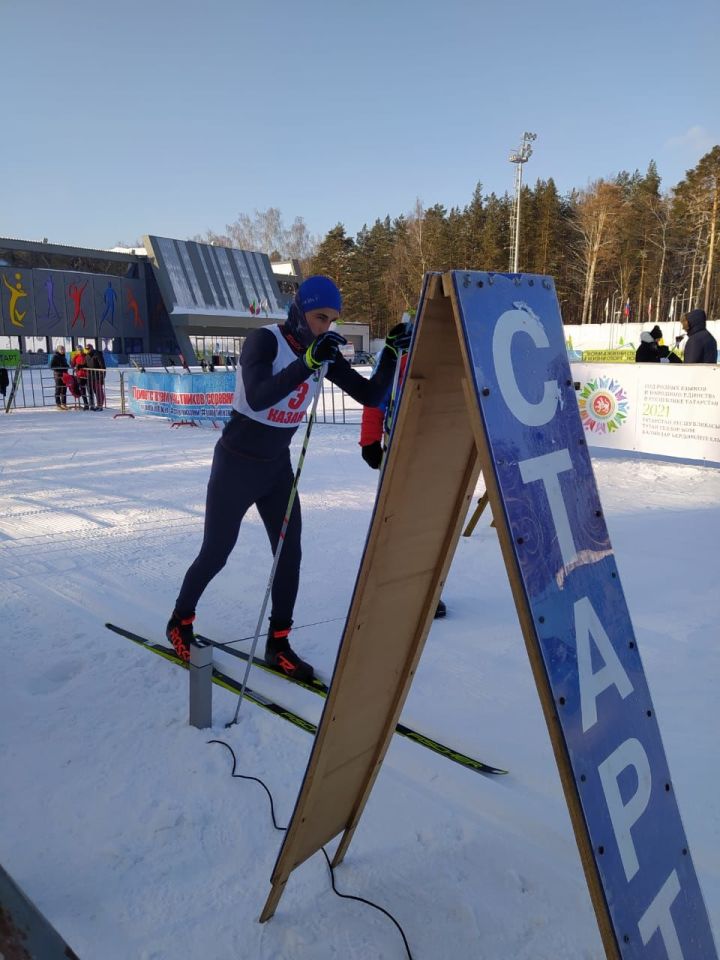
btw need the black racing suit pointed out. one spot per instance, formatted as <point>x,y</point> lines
<point>251,465</point>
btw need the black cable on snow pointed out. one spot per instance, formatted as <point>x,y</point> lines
<point>345,896</point>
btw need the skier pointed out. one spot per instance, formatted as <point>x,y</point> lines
<point>376,423</point>
<point>276,381</point>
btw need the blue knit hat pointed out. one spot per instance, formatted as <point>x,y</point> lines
<point>318,292</point>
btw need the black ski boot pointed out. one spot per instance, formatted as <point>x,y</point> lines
<point>180,633</point>
<point>279,653</point>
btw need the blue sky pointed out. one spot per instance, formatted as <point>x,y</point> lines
<point>172,116</point>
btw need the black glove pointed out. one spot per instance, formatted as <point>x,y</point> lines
<point>399,337</point>
<point>323,349</point>
<point>372,454</point>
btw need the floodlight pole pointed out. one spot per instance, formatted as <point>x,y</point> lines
<point>518,157</point>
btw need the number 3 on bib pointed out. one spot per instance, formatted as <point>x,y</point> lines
<point>297,400</point>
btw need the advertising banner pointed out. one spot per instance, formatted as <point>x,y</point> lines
<point>195,396</point>
<point>9,358</point>
<point>608,356</point>
<point>661,408</point>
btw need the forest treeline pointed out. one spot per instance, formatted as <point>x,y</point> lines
<point>621,246</point>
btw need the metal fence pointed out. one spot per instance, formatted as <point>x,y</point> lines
<point>35,387</point>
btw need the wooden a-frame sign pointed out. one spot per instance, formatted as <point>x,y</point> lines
<point>488,386</point>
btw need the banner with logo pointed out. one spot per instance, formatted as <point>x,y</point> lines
<point>9,358</point>
<point>661,408</point>
<point>190,396</point>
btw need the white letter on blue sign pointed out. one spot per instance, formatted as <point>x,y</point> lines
<point>587,625</point>
<point>510,323</point>
<point>657,917</point>
<point>623,816</point>
<point>546,468</point>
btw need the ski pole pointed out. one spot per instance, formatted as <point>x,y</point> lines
<point>281,540</point>
<point>390,413</point>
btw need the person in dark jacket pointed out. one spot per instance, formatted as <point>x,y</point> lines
<point>701,346</point>
<point>276,382</point>
<point>95,365</point>
<point>653,350</point>
<point>59,365</point>
<point>649,349</point>
<point>666,354</point>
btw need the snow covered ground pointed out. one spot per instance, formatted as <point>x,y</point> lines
<point>126,828</point>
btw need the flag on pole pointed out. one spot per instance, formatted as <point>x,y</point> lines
<point>671,312</point>
<point>607,308</point>
<point>626,311</point>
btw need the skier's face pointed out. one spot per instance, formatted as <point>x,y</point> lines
<point>319,321</point>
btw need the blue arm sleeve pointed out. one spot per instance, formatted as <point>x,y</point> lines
<point>372,392</point>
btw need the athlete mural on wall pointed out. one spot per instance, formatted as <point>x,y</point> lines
<point>109,300</point>
<point>75,293</point>
<point>134,309</point>
<point>17,292</point>
<point>52,314</point>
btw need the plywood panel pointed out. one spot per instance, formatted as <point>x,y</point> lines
<point>428,480</point>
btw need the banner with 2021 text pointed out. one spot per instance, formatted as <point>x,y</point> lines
<point>660,408</point>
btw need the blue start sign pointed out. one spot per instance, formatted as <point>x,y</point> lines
<point>577,623</point>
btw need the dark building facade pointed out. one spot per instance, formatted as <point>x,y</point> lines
<point>179,294</point>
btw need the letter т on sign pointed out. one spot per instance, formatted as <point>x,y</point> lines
<point>576,623</point>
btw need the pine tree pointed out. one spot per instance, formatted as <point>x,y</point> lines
<point>332,256</point>
<point>696,207</point>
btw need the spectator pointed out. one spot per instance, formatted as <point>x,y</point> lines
<point>701,346</point>
<point>78,362</point>
<point>649,349</point>
<point>59,366</point>
<point>71,382</point>
<point>653,350</point>
<point>95,363</point>
<point>666,354</point>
